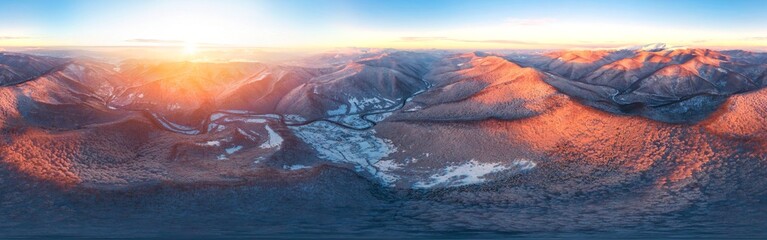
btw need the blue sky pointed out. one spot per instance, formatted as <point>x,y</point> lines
<point>392,23</point>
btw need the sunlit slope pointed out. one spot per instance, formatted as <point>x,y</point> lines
<point>565,122</point>
<point>676,85</point>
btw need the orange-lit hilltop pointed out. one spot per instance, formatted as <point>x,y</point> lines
<point>661,122</point>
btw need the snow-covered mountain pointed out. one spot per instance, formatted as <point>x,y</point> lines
<point>399,118</point>
<point>652,47</point>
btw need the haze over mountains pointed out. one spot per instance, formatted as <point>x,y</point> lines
<point>653,129</point>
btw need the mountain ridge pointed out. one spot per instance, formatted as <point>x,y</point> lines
<point>388,116</point>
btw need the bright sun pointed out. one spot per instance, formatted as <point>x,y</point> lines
<point>190,48</point>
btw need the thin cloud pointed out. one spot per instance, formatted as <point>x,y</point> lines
<point>154,41</point>
<point>530,21</point>
<point>424,39</point>
<point>169,42</point>
<point>581,44</point>
<point>13,37</point>
<point>596,45</point>
<point>497,41</point>
<point>500,41</point>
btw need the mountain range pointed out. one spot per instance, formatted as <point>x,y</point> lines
<point>646,130</point>
<point>372,111</point>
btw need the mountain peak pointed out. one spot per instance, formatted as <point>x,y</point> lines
<point>652,47</point>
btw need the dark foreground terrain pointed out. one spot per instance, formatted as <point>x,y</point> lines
<point>383,144</point>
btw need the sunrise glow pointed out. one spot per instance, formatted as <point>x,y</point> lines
<point>190,48</point>
<point>383,119</point>
<point>394,24</point>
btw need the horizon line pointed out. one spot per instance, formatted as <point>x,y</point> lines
<point>717,48</point>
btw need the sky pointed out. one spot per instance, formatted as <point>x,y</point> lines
<point>406,24</point>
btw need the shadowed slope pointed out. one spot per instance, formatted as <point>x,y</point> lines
<point>17,68</point>
<point>372,84</point>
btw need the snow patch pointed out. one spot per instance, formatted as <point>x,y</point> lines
<point>295,167</point>
<point>259,159</point>
<point>363,104</point>
<point>384,169</point>
<point>275,140</point>
<point>341,110</point>
<point>471,172</point>
<point>378,117</point>
<point>248,134</point>
<point>358,147</point>
<point>233,149</point>
<point>216,116</point>
<point>255,120</point>
<point>413,109</point>
<point>523,164</point>
<point>294,118</point>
